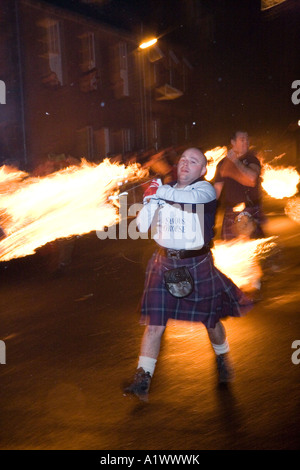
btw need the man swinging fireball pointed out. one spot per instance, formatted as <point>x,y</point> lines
<point>183,252</point>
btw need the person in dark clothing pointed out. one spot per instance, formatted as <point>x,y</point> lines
<point>238,178</point>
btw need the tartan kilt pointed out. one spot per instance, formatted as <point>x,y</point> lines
<point>214,295</point>
<point>228,232</point>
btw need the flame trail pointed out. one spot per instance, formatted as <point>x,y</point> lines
<point>71,201</point>
<point>239,260</point>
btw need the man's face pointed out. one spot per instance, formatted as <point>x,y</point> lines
<point>241,143</point>
<point>191,166</point>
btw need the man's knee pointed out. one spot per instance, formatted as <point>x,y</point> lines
<point>217,330</point>
<point>155,330</point>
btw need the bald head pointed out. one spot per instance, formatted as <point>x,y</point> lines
<point>191,166</point>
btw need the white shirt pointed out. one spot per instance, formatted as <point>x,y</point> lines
<point>173,224</point>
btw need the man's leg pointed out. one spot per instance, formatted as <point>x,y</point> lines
<point>217,336</point>
<point>149,352</point>
<point>150,346</point>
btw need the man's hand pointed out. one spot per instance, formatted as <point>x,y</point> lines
<point>228,168</point>
<point>232,156</point>
<point>151,190</point>
<point>232,167</point>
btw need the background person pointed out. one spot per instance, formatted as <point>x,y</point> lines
<point>238,178</point>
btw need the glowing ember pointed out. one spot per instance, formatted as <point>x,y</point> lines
<point>239,260</point>
<point>214,156</point>
<point>239,207</point>
<point>71,201</point>
<point>280,182</point>
<point>292,209</point>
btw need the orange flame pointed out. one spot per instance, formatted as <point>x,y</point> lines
<point>239,260</point>
<point>292,209</point>
<point>214,156</point>
<point>239,207</point>
<point>10,178</point>
<point>280,182</point>
<point>71,201</point>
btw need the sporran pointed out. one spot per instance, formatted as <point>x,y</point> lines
<point>179,282</point>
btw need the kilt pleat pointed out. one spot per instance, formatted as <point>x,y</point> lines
<point>214,296</point>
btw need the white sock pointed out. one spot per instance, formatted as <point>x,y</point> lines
<point>221,348</point>
<point>147,363</point>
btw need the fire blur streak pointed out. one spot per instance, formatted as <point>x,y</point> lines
<point>72,201</point>
<point>239,260</point>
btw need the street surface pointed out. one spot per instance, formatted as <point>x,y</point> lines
<point>73,340</point>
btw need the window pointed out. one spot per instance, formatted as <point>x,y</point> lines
<point>85,143</point>
<point>174,66</point>
<point>124,67</point>
<point>187,68</point>
<point>120,70</point>
<point>102,142</point>
<point>90,77</point>
<point>52,69</point>
<point>87,52</point>
<point>126,134</point>
<point>156,133</point>
<point>122,141</point>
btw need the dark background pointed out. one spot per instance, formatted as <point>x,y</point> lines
<point>243,77</point>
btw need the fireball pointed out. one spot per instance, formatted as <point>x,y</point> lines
<point>280,182</point>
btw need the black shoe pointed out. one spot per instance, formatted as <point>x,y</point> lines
<point>225,369</point>
<point>140,385</point>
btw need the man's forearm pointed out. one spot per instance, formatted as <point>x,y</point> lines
<point>248,176</point>
<point>233,168</point>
